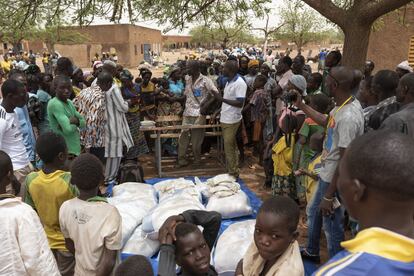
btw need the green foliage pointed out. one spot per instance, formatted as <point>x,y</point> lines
<point>223,37</point>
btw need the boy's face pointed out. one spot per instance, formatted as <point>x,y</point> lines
<point>63,90</point>
<point>193,254</point>
<point>272,236</point>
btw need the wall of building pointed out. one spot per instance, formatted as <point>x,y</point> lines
<point>388,46</point>
<point>139,36</point>
<point>177,41</point>
<point>80,54</point>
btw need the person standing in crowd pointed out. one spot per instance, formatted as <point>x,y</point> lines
<point>196,89</point>
<point>131,91</point>
<point>384,86</point>
<point>117,134</point>
<point>403,120</point>
<point>298,66</point>
<point>243,66</point>
<point>46,63</point>
<point>271,93</point>
<point>270,57</point>
<point>314,84</point>
<point>24,249</point>
<point>321,59</point>
<point>11,137</point>
<point>77,81</point>
<point>24,118</point>
<point>148,93</point>
<point>403,68</point>
<point>345,122</point>
<point>92,106</point>
<point>285,73</point>
<point>253,67</point>
<point>231,114</point>
<point>368,69</point>
<point>6,65</point>
<point>63,117</point>
<point>380,198</point>
<point>44,96</point>
<point>333,59</point>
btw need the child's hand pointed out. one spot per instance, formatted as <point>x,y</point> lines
<point>168,228</point>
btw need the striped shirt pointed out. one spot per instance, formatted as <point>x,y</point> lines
<point>374,251</point>
<point>117,132</point>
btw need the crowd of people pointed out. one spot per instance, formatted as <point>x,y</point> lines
<point>337,144</point>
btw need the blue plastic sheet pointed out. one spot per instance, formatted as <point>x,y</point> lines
<point>255,203</point>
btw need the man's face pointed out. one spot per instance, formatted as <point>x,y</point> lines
<point>20,98</point>
<point>330,60</point>
<point>331,85</point>
<point>78,76</point>
<point>297,65</point>
<point>146,78</point>
<point>272,236</point>
<point>265,70</point>
<point>63,90</point>
<point>106,86</point>
<point>193,254</point>
<point>244,63</point>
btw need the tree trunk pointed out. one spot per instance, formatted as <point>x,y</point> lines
<point>356,44</point>
<point>265,44</point>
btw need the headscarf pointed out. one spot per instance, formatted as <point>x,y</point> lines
<point>405,66</point>
<point>268,64</point>
<point>299,81</point>
<point>126,74</point>
<point>97,64</point>
<point>253,62</point>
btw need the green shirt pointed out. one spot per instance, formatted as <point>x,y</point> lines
<point>59,114</point>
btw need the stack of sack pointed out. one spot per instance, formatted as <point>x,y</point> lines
<point>225,196</point>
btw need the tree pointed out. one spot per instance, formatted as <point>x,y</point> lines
<point>54,34</point>
<point>300,23</point>
<point>267,30</point>
<point>355,18</point>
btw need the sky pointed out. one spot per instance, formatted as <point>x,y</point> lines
<point>256,22</point>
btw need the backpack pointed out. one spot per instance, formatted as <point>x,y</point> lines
<point>131,171</point>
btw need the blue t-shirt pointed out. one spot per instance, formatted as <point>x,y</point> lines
<point>176,88</point>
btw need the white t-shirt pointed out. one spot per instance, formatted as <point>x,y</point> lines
<point>235,89</point>
<point>11,139</point>
<point>92,226</point>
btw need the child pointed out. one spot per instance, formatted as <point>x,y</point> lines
<point>23,245</point>
<point>63,117</point>
<point>311,173</point>
<point>91,226</point>
<point>283,182</point>
<point>275,250</point>
<point>47,189</point>
<point>135,266</point>
<point>183,243</point>
<point>375,184</point>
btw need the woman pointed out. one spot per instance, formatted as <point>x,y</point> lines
<point>131,91</point>
<point>148,95</point>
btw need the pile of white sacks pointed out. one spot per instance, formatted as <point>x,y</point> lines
<point>144,208</point>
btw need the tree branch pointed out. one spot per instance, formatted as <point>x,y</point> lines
<point>329,10</point>
<point>372,11</point>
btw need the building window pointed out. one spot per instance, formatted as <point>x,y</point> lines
<point>136,49</point>
<point>142,49</point>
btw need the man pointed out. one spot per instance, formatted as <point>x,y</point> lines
<point>284,71</point>
<point>21,64</point>
<point>117,134</point>
<point>91,105</point>
<point>271,92</point>
<point>11,137</point>
<point>333,59</point>
<point>321,59</point>
<point>403,68</point>
<point>314,84</point>
<point>231,114</point>
<point>383,86</point>
<point>369,67</point>
<point>346,122</point>
<point>6,65</point>
<point>24,119</point>
<point>196,89</point>
<point>403,121</point>
<point>376,189</point>
<point>269,57</point>
<point>298,66</point>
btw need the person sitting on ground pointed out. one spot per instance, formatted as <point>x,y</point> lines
<point>314,84</point>
<point>183,243</point>
<point>380,198</point>
<point>47,189</point>
<point>64,119</point>
<point>137,265</point>
<point>403,121</point>
<point>90,225</point>
<point>275,251</point>
<point>11,136</point>
<point>23,245</point>
<point>384,87</point>
<point>403,68</point>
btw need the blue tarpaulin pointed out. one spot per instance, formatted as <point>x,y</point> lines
<point>255,203</point>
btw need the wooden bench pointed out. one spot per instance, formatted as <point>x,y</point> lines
<point>173,131</point>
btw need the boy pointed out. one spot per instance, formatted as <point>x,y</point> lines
<point>63,117</point>
<point>379,195</point>
<point>47,189</point>
<point>135,266</point>
<point>275,250</point>
<point>183,243</point>
<point>23,244</point>
<point>89,224</point>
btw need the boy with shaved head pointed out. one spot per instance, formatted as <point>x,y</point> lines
<point>381,198</point>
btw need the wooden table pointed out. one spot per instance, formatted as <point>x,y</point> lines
<point>158,131</point>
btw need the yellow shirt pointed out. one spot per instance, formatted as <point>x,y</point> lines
<point>314,167</point>
<point>283,156</point>
<point>6,65</point>
<point>46,193</point>
<point>76,90</point>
